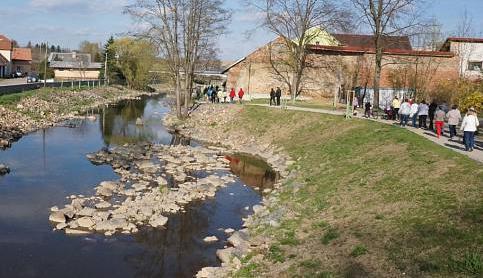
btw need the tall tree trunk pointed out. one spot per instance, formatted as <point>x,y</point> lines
<point>377,77</point>
<point>187,82</point>
<point>294,87</point>
<point>178,97</point>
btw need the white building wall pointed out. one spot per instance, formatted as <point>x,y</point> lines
<point>8,55</point>
<point>468,52</point>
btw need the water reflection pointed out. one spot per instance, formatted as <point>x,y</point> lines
<point>50,164</point>
<point>118,123</point>
<point>252,171</point>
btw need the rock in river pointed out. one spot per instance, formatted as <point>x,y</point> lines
<point>57,216</point>
<point>4,169</point>
<point>210,239</point>
<point>158,221</point>
<point>85,222</point>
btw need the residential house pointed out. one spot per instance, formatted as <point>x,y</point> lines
<point>13,59</point>
<point>470,56</point>
<point>74,66</point>
<point>337,63</point>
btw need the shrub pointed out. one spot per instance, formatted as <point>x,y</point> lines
<point>474,99</point>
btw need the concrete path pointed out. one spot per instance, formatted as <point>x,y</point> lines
<point>455,145</point>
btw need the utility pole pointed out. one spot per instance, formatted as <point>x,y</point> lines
<point>105,70</point>
<point>45,64</point>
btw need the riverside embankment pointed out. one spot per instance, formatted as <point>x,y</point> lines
<point>129,167</point>
<point>359,198</point>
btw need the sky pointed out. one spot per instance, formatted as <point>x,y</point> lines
<point>68,22</point>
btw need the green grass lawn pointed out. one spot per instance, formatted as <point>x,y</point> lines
<point>376,200</point>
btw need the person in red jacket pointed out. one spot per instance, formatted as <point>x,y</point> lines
<point>232,95</point>
<point>240,94</point>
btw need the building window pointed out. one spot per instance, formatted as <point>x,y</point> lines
<point>476,66</point>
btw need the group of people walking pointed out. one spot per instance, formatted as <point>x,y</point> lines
<point>218,94</point>
<point>419,112</point>
<point>275,96</point>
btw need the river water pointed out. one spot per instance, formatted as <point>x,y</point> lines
<point>48,165</point>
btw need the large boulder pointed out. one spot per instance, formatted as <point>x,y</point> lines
<point>157,221</point>
<point>57,217</point>
<point>226,254</point>
<point>85,222</point>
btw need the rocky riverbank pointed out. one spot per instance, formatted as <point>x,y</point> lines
<point>213,124</point>
<point>155,181</point>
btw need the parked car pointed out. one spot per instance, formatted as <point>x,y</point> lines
<point>17,74</point>
<point>32,78</point>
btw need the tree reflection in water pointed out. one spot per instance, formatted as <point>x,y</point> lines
<point>178,250</point>
<point>252,171</point>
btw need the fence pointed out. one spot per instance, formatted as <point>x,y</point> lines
<point>72,84</point>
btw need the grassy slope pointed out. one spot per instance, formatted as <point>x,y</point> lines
<point>376,201</point>
<point>305,103</point>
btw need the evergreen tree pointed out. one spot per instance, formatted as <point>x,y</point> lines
<point>113,73</point>
<point>58,49</point>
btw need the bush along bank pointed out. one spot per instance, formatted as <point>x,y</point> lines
<point>361,198</point>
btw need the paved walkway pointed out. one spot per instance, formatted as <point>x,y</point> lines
<point>455,145</point>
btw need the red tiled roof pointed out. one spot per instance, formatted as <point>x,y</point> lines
<point>367,41</point>
<point>22,54</point>
<point>5,43</point>
<point>362,50</point>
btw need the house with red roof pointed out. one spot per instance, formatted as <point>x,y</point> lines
<point>13,59</point>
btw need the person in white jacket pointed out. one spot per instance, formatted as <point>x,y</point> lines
<point>469,126</point>
<point>414,113</point>
<point>404,111</point>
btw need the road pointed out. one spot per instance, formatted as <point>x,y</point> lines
<point>13,81</point>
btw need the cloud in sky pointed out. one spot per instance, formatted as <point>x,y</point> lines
<point>78,5</point>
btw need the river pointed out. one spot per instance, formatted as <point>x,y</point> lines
<point>48,165</point>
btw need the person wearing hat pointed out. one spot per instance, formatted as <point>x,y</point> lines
<point>469,126</point>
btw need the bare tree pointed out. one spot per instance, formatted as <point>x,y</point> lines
<point>386,18</point>
<point>464,29</point>
<point>179,28</point>
<point>428,37</point>
<point>291,21</point>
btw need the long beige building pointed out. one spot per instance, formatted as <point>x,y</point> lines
<point>338,63</point>
<point>74,66</point>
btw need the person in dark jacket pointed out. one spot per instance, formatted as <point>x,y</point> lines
<point>432,109</point>
<point>367,109</point>
<point>278,95</point>
<point>272,97</point>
